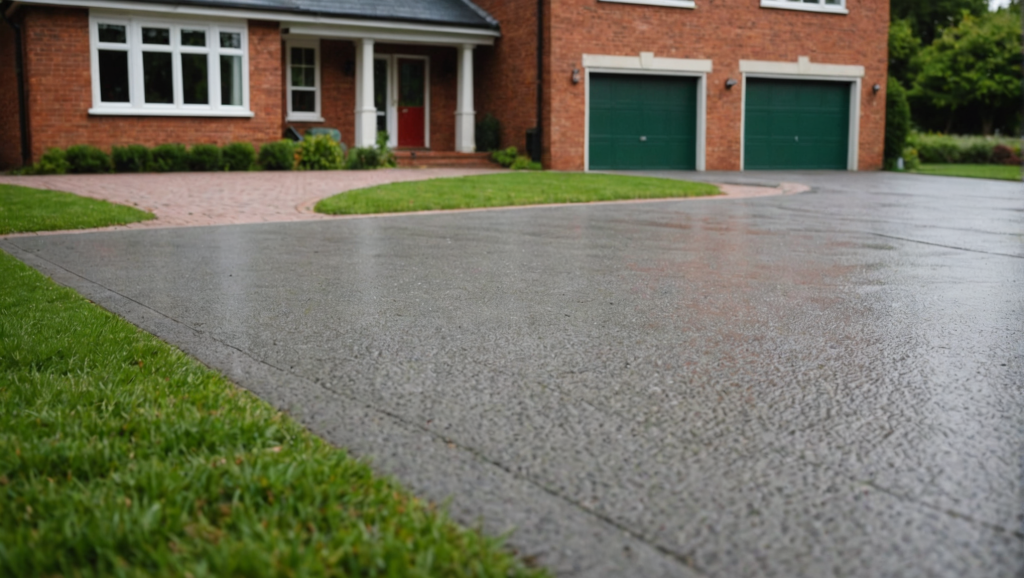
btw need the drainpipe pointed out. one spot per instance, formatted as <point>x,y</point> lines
<point>538,136</point>
<point>19,71</point>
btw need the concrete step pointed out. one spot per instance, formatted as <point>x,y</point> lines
<point>444,159</point>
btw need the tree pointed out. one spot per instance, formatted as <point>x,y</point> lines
<point>929,17</point>
<point>897,120</point>
<point>904,46</point>
<point>976,63</point>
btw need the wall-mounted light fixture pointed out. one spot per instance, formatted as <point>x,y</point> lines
<point>731,83</point>
<point>876,88</point>
<point>575,74</point>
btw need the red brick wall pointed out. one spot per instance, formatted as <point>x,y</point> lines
<point>725,31</point>
<point>338,93</point>
<point>10,143</point>
<point>60,91</point>
<point>505,75</point>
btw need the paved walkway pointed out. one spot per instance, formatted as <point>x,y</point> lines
<point>204,199</point>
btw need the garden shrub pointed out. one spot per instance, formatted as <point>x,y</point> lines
<point>1004,155</point>
<point>320,153</point>
<point>131,158</point>
<point>238,156</point>
<point>386,156</point>
<point>939,148</point>
<point>53,162</point>
<point>525,163</point>
<point>505,157</point>
<point>897,120</point>
<point>278,156</point>
<point>167,158</point>
<point>910,159</point>
<point>204,157</point>
<point>363,158</point>
<point>87,159</point>
<point>488,133</point>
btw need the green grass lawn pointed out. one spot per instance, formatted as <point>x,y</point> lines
<point>122,456</point>
<point>507,189</point>
<point>1001,172</point>
<point>24,210</point>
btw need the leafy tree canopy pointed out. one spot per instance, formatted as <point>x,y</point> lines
<point>927,18</point>
<point>904,46</point>
<point>974,63</point>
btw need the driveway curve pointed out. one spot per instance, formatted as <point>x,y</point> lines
<point>822,384</point>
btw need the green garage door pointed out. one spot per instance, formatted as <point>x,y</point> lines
<point>796,124</point>
<point>643,122</point>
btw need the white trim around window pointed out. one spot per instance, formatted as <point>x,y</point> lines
<point>301,84</point>
<point>826,6</point>
<point>670,3</point>
<point>202,66</point>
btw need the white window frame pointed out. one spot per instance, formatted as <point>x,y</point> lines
<point>302,116</point>
<point>670,3</point>
<point>806,7</point>
<point>136,106</point>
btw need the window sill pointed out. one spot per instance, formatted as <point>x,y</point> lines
<point>292,118</point>
<point>691,4</point>
<point>131,111</point>
<point>804,7</point>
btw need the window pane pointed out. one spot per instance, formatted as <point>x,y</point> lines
<point>380,85</point>
<point>231,80</point>
<point>297,76</point>
<point>194,79</point>
<point>193,38</point>
<point>310,74</point>
<point>410,82</point>
<point>113,33</point>
<point>303,101</point>
<point>156,77</point>
<point>230,40</point>
<point>296,56</point>
<point>156,36</point>
<point>113,76</point>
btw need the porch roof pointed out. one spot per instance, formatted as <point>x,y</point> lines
<point>446,12</point>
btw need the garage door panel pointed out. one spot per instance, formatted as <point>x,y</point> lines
<point>625,108</point>
<point>796,124</point>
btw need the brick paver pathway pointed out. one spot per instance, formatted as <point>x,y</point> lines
<point>200,199</point>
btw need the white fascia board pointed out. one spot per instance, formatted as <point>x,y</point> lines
<point>670,3</point>
<point>136,111</point>
<point>646,61</point>
<point>382,34</point>
<point>802,67</point>
<point>265,15</point>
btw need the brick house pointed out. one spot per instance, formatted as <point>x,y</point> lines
<point>622,84</point>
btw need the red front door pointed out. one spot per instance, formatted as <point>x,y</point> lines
<point>411,102</point>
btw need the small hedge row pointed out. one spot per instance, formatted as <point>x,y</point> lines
<point>940,148</point>
<point>320,152</point>
<point>511,159</point>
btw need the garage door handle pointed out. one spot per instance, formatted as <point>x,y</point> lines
<point>797,139</point>
<point>643,139</point>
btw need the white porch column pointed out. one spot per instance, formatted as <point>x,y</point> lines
<point>366,112</point>
<point>465,116</point>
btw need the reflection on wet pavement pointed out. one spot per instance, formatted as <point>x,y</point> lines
<point>819,384</point>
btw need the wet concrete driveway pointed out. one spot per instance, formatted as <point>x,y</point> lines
<point>822,384</point>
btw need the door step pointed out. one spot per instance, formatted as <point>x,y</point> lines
<point>410,159</point>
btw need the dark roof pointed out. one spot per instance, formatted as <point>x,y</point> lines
<point>448,12</point>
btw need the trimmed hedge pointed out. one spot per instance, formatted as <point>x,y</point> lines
<point>939,148</point>
<point>320,153</point>
<point>238,156</point>
<point>131,159</point>
<point>204,157</point>
<point>87,159</point>
<point>169,158</point>
<point>278,156</point>
<point>897,120</point>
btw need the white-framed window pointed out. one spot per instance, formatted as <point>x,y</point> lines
<point>164,67</point>
<point>670,3</point>
<point>303,80</point>
<point>830,6</point>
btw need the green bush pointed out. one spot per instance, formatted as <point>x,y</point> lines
<point>278,156</point>
<point>320,153</point>
<point>53,162</point>
<point>387,157</point>
<point>363,158</point>
<point>505,157</point>
<point>897,120</point>
<point>238,156</point>
<point>488,133</point>
<point>204,157</point>
<point>910,159</point>
<point>1004,155</point>
<point>940,148</point>
<point>87,159</point>
<point>131,158</point>
<point>524,163</point>
<point>168,158</point>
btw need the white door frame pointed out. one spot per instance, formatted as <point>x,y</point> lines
<point>392,94</point>
<point>702,106</point>
<point>853,144</point>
